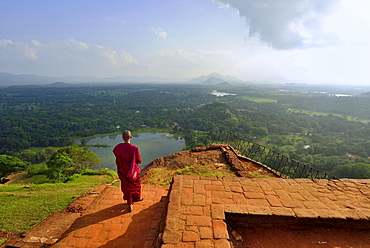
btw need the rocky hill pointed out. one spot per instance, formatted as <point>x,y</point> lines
<point>219,156</point>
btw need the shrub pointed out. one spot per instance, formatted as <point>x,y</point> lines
<point>108,172</point>
<point>37,169</point>
<point>10,164</point>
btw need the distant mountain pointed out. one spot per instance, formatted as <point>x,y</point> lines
<point>7,79</point>
<point>215,78</point>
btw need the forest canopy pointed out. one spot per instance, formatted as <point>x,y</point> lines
<point>320,129</point>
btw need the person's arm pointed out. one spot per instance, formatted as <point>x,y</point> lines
<point>138,156</point>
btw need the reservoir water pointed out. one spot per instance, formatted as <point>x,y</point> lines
<point>151,145</point>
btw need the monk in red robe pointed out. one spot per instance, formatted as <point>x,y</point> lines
<point>124,152</point>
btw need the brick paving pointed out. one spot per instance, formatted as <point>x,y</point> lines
<point>197,205</point>
<point>105,222</point>
<point>194,212</point>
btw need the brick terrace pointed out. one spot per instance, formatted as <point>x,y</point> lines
<point>196,212</point>
<point>197,206</point>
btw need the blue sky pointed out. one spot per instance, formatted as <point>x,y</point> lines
<point>311,41</point>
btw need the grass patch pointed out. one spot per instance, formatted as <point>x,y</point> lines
<point>313,113</point>
<point>163,176</point>
<point>160,176</point>
<point>23,206</point>
<point>256,174</point>
<point>2,241</point>
<point>207,171</point>
<point>257,99</point>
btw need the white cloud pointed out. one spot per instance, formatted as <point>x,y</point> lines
<point>4,42</point>
<point>65,57</point>
<point>159,32</point>
<point>286,24</point>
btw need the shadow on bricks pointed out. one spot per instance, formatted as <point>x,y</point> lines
<point>96,218</point>
<point>138,233</point>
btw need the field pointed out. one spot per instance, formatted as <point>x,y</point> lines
<point>24,205</point>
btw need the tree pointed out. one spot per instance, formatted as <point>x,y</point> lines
<point>82,158</point>
<point>358,170</point>
<point>45,155</point>
<point>60,167</point>
<point>10,164</point>
<point>28,155</point>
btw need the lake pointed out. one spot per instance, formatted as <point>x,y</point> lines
<point>152,145</point>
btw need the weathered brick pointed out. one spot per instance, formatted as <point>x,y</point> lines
<point>193,210</point>
<point>217,211</point>
<point>265,186</point>
<point>329,203</point>
<point>366,212</point>
<point>205,232</point>
<point>274,184</point>
<point>218,200</point>
<point>199,200</point>
<point>177,182</point>
<point>175,197</point>
<point>171,237</point>
<point>254,195</point>
<point>189,236</point>
<point>201,181</point>
<point>187,196</point>
<point>199,189</point>
<point>259,210</point>
<point>235,208</point>
<point>217,182</point>
<point>173,210</point>
<point>222,194</point>
<point>296,196</point>
<point>187,183</point>
<point>198,221</point>
<point>221,243</point>
<point>291,203</point>
<point>207,210</point>
<point>171,223</point>
<point>204,244</point>
<point>248,188</point>
<point>239,198</point>
<point>282,211</point>
<point>307,195</point>
<point>214,187</point>
<point>283,194</point>
<point>186,245</point>
<point>220,229</point>
<point>257,202</point>
<point>236,189</point>
<point>305,213</point>
<point>274,201</point>
<point>329,214</point>
<point>315,205</point>
<point>168,246</point>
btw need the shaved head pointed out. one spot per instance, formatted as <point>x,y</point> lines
<point>126,135</point>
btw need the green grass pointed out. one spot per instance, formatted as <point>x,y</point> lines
<point>312,113</point>
<point>160,176</point>
<point>257,99</point>
<point>23,206</point>
<point>163,176</point>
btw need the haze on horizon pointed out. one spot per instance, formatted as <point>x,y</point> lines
<point>312,41</point>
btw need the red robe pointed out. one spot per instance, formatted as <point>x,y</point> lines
<point>131,189</point>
